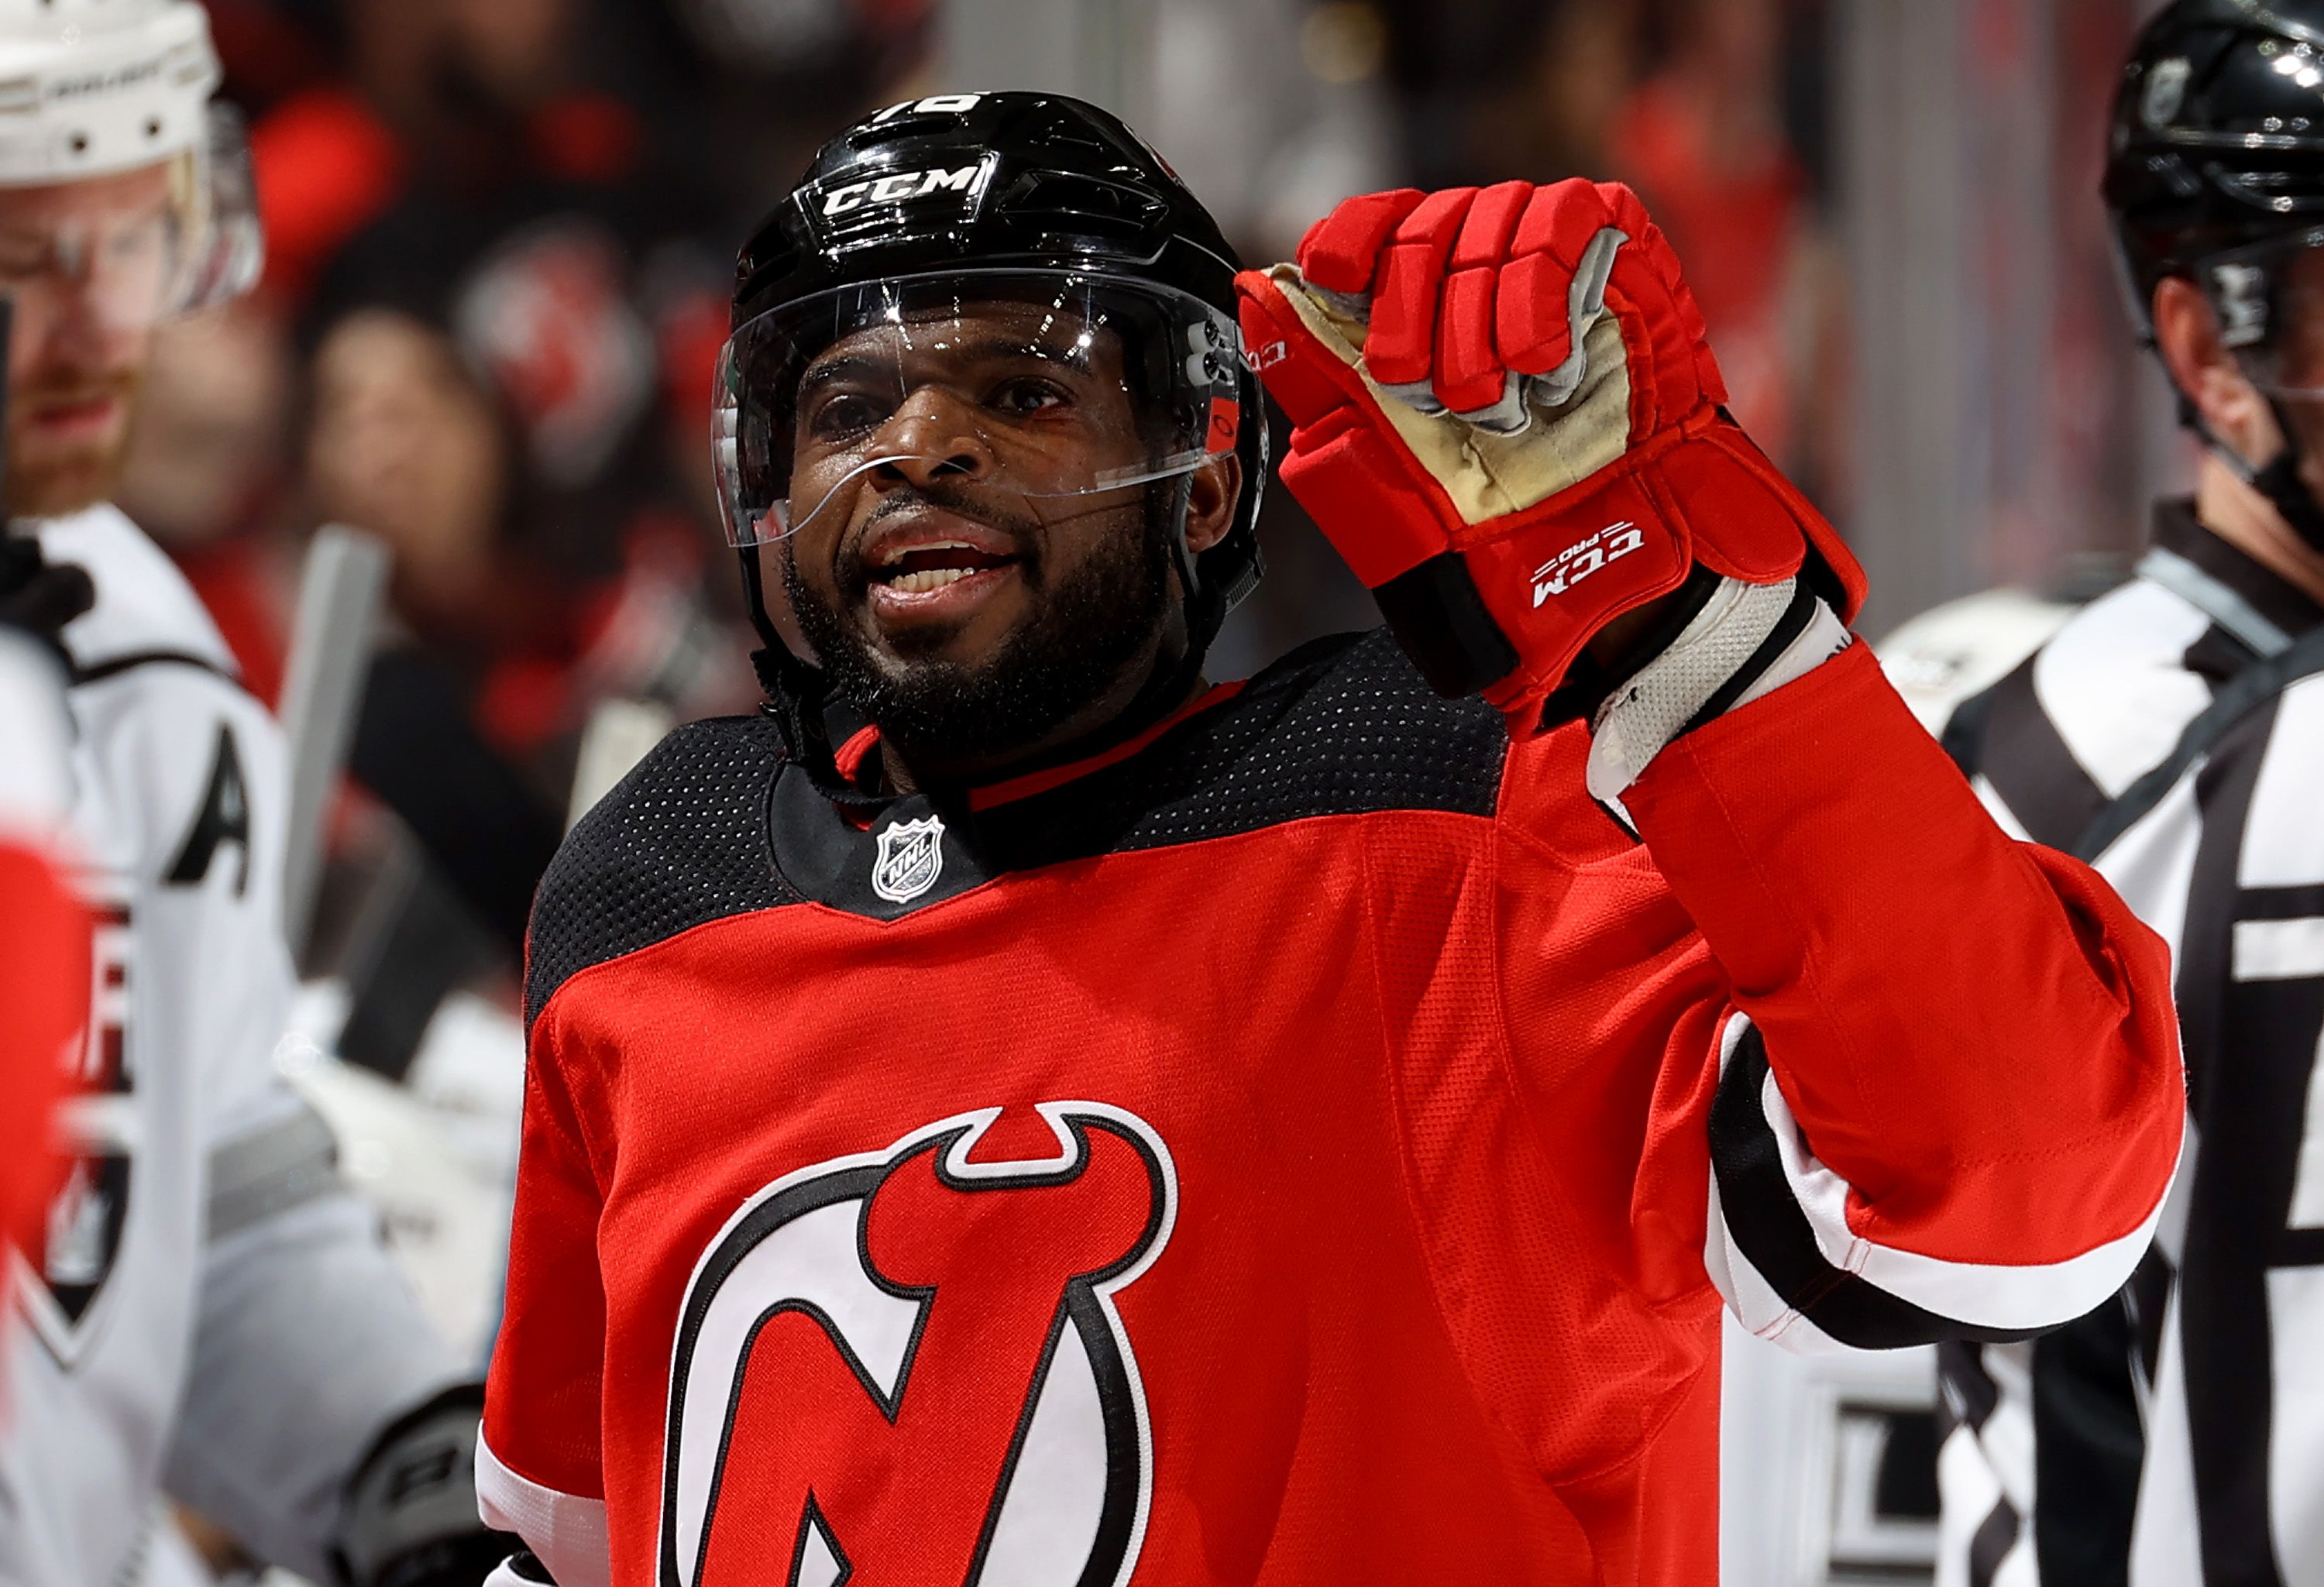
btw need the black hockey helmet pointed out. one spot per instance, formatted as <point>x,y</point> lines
<point>2215,173</point>
<point>1030,199</point>
<point>2217,141</point>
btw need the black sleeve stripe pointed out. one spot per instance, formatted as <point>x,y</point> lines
<point>1772,1232</point>
<point>113,667</point>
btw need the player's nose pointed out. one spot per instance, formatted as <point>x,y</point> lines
<point>933,435</point>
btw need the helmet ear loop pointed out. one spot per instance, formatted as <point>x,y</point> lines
<point>1204,603</point>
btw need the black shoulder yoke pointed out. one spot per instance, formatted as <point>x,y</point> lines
<point>1343,726</point>
<point>712,824</point>
<point>680,842</point>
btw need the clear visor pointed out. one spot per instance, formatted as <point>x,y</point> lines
<point>125,253</point>
<point>2269,299</point>
<point>1058,392</point>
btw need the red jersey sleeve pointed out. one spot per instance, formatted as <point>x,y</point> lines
<point>539,1473</point>
<point>43,1000</point>
<point>1898,1077</point>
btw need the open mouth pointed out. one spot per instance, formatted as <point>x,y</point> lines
<point>925,568</point>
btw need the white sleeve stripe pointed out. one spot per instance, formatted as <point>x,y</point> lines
<point>566,1532</point>
<point>1754,1301</point>
<point>1780,1248</point>
<point>1983,1295</point>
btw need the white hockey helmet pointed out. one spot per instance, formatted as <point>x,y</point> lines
<point>95,88</point>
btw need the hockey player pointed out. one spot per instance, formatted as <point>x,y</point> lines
<point>211,1311</point>
<point>1017,1112</point>
<point>2177,1437</point>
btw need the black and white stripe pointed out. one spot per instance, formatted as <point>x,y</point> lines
<point>1793,1270</point>
<point>2176,1435</point>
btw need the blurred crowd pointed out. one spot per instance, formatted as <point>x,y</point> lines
<point>502,236</point>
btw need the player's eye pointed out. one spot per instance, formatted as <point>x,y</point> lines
<point>1029,395</point>
<point>843,415</point>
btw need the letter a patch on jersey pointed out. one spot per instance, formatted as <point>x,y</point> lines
<point>907,1366</point>
<point>224,818</point>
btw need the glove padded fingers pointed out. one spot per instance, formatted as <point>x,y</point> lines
<point>1470,375</point>
<point>1340,253</point>
<point>1401,349</point>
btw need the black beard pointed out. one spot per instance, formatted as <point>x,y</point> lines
<point>1084,633</point>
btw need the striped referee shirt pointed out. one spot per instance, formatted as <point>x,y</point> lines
<point>2176,1437</point>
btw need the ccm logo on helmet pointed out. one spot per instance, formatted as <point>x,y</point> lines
<point>908,1365</point>
<point>895,189</point>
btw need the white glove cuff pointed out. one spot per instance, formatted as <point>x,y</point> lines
<point>1728,635</point>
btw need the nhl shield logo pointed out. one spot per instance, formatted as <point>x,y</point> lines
<point>911,858</point>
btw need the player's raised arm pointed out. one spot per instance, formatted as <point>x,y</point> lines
<point>1937,1069</point>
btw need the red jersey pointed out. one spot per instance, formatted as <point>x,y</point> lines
<point>1308,1146</point>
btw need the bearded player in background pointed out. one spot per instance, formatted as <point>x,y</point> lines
<point>1017,1112</point>
<point>206,1309</point>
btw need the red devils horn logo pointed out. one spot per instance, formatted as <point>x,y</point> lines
<point>907,1367</point>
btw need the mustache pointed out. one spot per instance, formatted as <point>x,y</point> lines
<point>962,502</point>
<point>1024,530</point>
<point>64,391</point>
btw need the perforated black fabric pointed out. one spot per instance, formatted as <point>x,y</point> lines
<point>679,841</point>
<point>1342,727</point>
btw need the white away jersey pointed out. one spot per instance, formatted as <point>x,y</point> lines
<point>211,1309</point>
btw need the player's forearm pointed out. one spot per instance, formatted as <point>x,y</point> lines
<point>1971,1031</point>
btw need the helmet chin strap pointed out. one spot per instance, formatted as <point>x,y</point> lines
<point>2280,483</point>
<point>798,696</point>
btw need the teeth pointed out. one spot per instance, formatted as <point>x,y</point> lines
<point>898,553</point>
<point>926,579</point>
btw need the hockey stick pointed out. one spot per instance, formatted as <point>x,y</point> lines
<point>339,596</point>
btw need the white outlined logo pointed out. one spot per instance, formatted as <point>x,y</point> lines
<point>911,859</point>
<point>1576,563</point>
<point>896,188</point>
<point>910,1361</point>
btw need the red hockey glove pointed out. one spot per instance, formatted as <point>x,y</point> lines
<point>1506,419</point>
